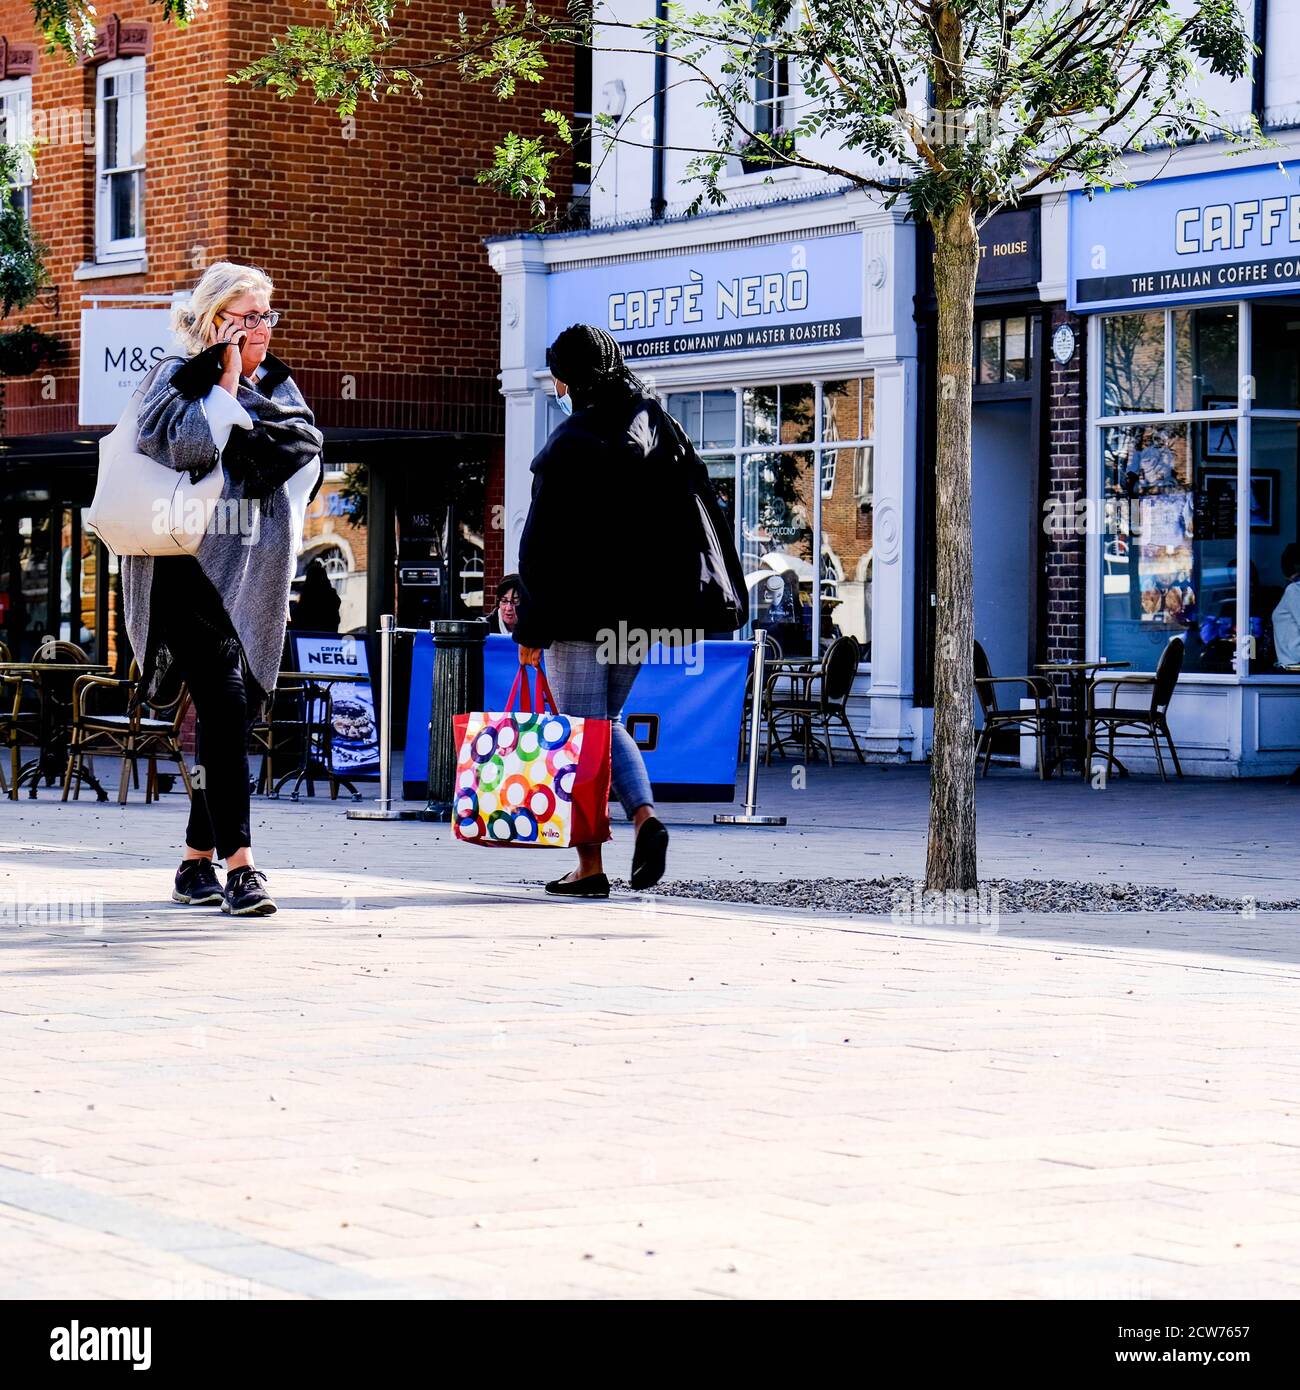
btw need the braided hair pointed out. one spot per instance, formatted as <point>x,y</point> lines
<point>591,365</point>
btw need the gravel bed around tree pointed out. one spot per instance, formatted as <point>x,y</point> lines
<point>905,895</point>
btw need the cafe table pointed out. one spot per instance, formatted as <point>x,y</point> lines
<point>316,731</point>
<point>799,671</point>
<point>1077,674</point>
<point>48,678</point>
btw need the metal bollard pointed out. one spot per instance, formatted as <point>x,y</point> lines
<point>383,808</point>
<point>457,688</point>
<point>750,815</point>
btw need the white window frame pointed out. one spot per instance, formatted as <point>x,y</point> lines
<point>1246,411</point>
<point>124,248</point>
<point>820,448</point>
<point>16,106</point>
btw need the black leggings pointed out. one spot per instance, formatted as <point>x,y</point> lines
<point>207,656</point>
<point>219,811</point>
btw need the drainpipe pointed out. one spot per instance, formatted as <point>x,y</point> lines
<point>658,203</point>
<point>1258,83</point>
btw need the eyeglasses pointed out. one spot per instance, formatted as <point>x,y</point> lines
<point>250,321</point>
<point>508,603</point>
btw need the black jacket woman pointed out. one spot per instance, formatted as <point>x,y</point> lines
<point>624,546</point>
<point>216,619</point>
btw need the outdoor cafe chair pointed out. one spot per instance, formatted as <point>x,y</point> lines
<point>20,722</point>
<point>772,653</point>
<point>277,731</point>
<point>818,695</point>
<point>138,730</point>
<point>1039,721</point>
<point>1141,722</point>
<point>44,725</point>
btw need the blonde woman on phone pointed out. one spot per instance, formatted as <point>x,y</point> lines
<point>216,619</point>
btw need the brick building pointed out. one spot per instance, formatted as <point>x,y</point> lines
<point>151,165</point>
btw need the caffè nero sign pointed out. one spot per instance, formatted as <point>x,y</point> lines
<point>781,295</point>
<point>1197,237</point>
<point>118,346</point>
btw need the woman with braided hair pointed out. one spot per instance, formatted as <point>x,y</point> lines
<point>624,540</point>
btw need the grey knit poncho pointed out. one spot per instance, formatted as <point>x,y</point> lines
<point>251,562</point>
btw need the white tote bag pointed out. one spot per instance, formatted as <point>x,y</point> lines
<point>142,507</point>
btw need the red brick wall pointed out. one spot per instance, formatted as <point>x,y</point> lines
<point>374,243</point>
<point>494,531</point>
<point>1064,545</point>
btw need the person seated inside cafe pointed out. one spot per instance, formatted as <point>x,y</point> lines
<point>506,613</point>
<point>318,605</point>
<point>1286,616</point>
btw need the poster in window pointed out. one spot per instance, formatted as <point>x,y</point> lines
<point>1219,437</point>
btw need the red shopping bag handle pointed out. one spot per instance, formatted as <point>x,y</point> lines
<point>522,691</point>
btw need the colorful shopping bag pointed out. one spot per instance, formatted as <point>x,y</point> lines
<point>532,779</point>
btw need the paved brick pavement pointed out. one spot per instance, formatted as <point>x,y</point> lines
<point>411,1084</point>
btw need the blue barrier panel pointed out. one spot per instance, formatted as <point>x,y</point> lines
<point>685,717</point>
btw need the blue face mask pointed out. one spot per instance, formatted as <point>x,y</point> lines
<point>565,402</point>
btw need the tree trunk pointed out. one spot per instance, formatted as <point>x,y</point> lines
<point>950,852</point>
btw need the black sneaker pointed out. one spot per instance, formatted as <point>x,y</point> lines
<point>197,884</point>
<point>245,894</point>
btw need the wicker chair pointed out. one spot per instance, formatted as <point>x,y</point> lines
<point>45,726</point>
<point>1040,721</point>
<point>772,653</point>
<point>19,723</point>
<point>819,695</point>
<point>129,734</point>
<point>1150,722</point>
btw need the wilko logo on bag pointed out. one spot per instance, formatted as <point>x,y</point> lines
<point>533,779</point>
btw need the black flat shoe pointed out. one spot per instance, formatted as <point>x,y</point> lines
<point>197,884</point>
<point>650,857</point>
<point>593,886</point>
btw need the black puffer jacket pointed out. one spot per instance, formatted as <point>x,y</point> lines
<point>624,528</point>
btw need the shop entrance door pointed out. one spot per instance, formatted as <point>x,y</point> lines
<point>1004,506</point>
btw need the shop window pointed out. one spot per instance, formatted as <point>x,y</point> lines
<point>684,407</point>
<point>780,414</point>
<point>760,414</point>
<point>1133,363</point>
<point>722,474</point>
<point>707,418</point>
<point>1273,638</point>
<point>798,421</point>
<point>848,409</point>
<point>773,492</point>
<point>1205,358</point>
<point>717,420</point>
<point>777,536</point>
<point>119,186</point>
<point>1170,547</point>
<point>1275,354</point>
